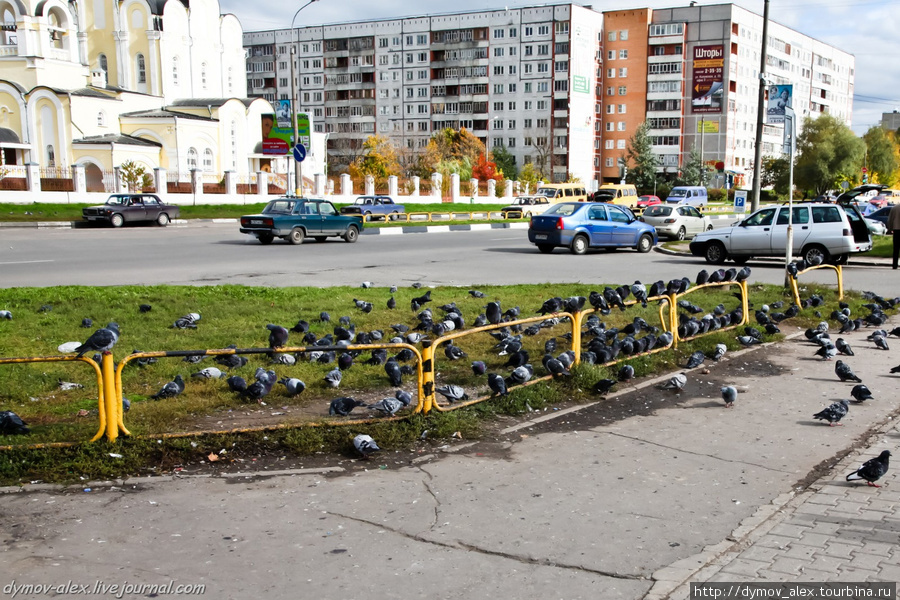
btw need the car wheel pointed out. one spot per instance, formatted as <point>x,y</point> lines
<point>117,220</point>
<point>815,253</point>
<point>682,233</point>
<point>741,260</point>
<point>579,245</point>
<point>645,243</point>
<point>296,236</point>
<point>265,238</point>
<point>321,238</point>
<point>352,235</point>
<point>715,253</point>
<point>545,249</point>
<point>162,220</point>
<point>393,216</point>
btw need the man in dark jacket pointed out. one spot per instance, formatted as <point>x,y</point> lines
<point>893,226</point>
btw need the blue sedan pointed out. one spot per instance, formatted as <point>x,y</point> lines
<point>582,225</point>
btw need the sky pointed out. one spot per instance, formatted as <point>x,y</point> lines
<point>864,28</point>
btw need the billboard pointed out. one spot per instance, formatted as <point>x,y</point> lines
<point>708,87</point>
<point>780,97</point>
<point>278,132</point>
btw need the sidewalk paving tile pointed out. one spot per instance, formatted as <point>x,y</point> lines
<point>840,550</point>
<point>743,566</point>
<point>789,566</point>
<point>816,540</point>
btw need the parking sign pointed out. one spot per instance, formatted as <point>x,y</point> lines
<point>740,201</point>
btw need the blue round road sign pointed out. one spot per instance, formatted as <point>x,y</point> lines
<point>299,152</point>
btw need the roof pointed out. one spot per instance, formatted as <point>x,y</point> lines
<point>162,113</point>
<point>94,93</point>
<point>8,136</point>
<point>113,138</point>
<point>204,102</point>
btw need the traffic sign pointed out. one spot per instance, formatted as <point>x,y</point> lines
<point>299,152</point>
<point>740,201</point>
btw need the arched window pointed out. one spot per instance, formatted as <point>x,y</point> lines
<point>51,156</point>
<point>175,70</point>
<point>207,160</point>
<point>141,69</point>
<point>230,80</point>
<point>101,119</point>
<point>104,65</point>
<point>8,34</point>
<point>234,127</point>
<point>203,75</point>
<point>192,158</point>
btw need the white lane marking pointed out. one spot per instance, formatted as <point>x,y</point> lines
<point>25,262</point>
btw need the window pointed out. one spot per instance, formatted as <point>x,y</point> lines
<point>543,49</point>
<point>175,70</point>
<point>667,29</point>
<point>621,109</point>
<point>141,69</point>
<point>610,109</point>
<point>422,39</point>
<point>498,69</point>
<point>423,57</point>
<point>611,55</point>
<point>610,144</point>
<point>610,126</point>
<point>512,88</point>
<point>498,88</point>
<point>101,119</point>
<point>800,216</point>
<point>610,73</point>
<point>511,142</point>
<point>611,36</point>
<point>543,30</point>
<point>192,158</point>
<point>528,87</point>
<point>826,214</point>
<point>513,32</point>
<point>511,124</point>
<point>623,72</point>
<point>207,160</point>
<point>623,53</point>
<point>499,33</point>
<point>620,144</point>
<point>622,90</point>
<point>657,68</point>
<point>529,50</point>
<point>609,162</point>
<point>543,68</point>
<point>512,106</point>
<point>621,126</point>
<point>623,35</point>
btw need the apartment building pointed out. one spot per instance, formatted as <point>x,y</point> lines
<point>561,86</point>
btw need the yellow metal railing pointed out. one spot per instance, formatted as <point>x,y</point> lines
<point>840,281</point>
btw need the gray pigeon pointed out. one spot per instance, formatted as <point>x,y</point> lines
<point>880,342</point>
<point>333,377</point>
<point>844,372</point>
<point>452,393</point>
<point>365,445</point>
<point>872,470</point>
<point>676,382</point>
<point>478,367</point>
<point>696,359</point>
<point>827,352</point>
<point>403,397</point>
<point>171,389</point>
<point>188,321</point>
<point>209,373</point>
<point>834,413</point>
<point>519,375</point>
<point>343,406</point>
<point>282,358</point>
<point>5,314</point>
<point>101,340</point>
<point>729,395</point>
<point>843,347</point>
<point>388,407</point>
<point>87,323</point>
<point>454,352</point>
<point>626,373</point>
<point>278,335</point>
<point>236,383</point>
<point>861,393</point>
<point>747,340</point>
<point>293,385</point>
<point>556,367</point>
<point>392,369</point>
<point>719,352</point>
<point>497,384</point>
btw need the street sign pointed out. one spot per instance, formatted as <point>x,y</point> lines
<point>299,152</point>
<point>845,185</point>
<point>740,201</point>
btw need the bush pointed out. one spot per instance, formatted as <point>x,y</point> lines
<point>716,195</point>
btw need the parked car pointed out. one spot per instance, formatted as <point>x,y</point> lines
<point>695,195</point>
<point>831,232</point>
<point>579,226</point>
<point>678,222</point>
<point>881,215</point>
<point>294,219</point>
<point>876,227</point>
<point>374,205</point>
<point>645,201</point>
<point>525,206</point>
<point>860,195</point>
<point>131,208</point>
<point>879,201</point>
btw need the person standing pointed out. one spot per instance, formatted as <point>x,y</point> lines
<point>893,226</point>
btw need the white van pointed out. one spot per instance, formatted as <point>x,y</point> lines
<point>695,195</point>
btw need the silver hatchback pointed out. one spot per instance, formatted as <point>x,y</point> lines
<point>679,222</point>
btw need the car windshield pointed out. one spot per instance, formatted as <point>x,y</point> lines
<point>118,200</point>
<point>280,207</point>
<point>658,211</point>
<point>566,209</point>
<point>523,201</point>
<point>676,193</point>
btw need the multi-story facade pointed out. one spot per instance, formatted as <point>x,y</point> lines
<point>558,85</point>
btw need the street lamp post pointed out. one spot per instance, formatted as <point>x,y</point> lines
<point>298,169</point>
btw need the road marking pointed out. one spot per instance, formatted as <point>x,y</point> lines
<point>25,262</point>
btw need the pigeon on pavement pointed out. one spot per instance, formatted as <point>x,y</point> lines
<point>729,395</point>
<point>344,406</point>
<point>843,347</point>
<point>101,340</point>
<point>696,359</point>
<point>880,342</point>
<point>861,393</point>
<point>365,445</point>
<point>171,389</point>
<point>676,382</point>
<point>719,352</point>
<point>872,470</point>
<point>833,413</point>
<point>844,372</point>
<point>388,407</point>
<point>604,385</point>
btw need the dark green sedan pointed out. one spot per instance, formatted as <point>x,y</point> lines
<point>295,219</point>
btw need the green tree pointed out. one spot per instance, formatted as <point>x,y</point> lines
<point>642,162</point>
<point>529,176</point>
<point>506,162</point>
<point>880,158</point>
<point>134,176</point>
<point>693,169</point>
<point>827,150</point>
<point>775,173</point>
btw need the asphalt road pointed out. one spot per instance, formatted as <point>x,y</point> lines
<point>218,254</point>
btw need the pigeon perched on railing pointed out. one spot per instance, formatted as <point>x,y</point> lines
<point>872,470</point>
<point>101,340</point>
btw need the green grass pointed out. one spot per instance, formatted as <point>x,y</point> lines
<point>238,315</point>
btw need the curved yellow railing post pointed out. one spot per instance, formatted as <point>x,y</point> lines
<point>110,398</point>
<point>427,378</point>
<point>838,270</point>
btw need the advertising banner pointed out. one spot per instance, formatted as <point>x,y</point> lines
<point>278,132</point>
<point>708,87</point>
<point>707,126</point>
<point>780,97</point>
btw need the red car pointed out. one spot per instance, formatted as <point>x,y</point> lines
<point>645,201</point>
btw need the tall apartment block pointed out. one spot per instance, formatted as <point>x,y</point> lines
<point>561,86</point>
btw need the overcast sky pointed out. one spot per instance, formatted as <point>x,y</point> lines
<point>865,28</point>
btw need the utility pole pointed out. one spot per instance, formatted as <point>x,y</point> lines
<point>298,170</point>
<point>760,111</point>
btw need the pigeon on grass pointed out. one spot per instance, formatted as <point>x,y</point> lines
<point>12,424</point>
<point>365,445</point>
<point>171,389</point>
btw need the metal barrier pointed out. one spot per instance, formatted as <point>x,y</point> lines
<point>745,307</point>
<point>840,281</point>
<point>430,217</point>
<point>101,404</point>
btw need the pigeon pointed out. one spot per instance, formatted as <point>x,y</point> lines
<point>209,373</point>
<point>844,372</point>
<point>365,445</point>
<point>5,314</point>
<point>872,470</point>
<point>452,393</point>
<point>696,359</point>
<point>519,375</point>
<point>834,413</point>
<point>493,312</point>
<point>236,383</point>
<point>101,340</point>
<point>283,359</point>
<point>366,284</point>
<point>12,424</point>
<point>324,317</point>
<point>497,384</point>
<point>861,393</point>
<point>87,323</point>
<point>639,292</point>
<point>747,340</point>
<point>301,327</point>
<point>278,335</point>
<point>476,294</point>
<point>454,352</point>
<point>880,342</point>
<point>742,275</point>
<point>145,308</point>
<point>626,373</point>
<point>604,386</point>
<point>171,389</point>
<point>231,361</point>
<point>843,347</point>
<point>676,382</point>
<point>391,303</point>
<point>126,404</point>
<point>478,367</point>
<point>555,367</point>
<point>293,385</point>
<point>729,395</point>
<point>388,407</point>
<point>719,352</point>
<point>333,377</point>
<point>827,352</point>
<point>189,321</point>
<point>392,369</point>
<point>343,406</point>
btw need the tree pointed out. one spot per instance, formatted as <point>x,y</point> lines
<point>693,169</point>
<point>827,150</point>
<point>774,173</point>
<point>379,159</point>
<point>880,156</point>
<point>485,169</point>
<point>642,162</point>
<point>506,162</point>
<point>134,176</point>
<point>529,176</point>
